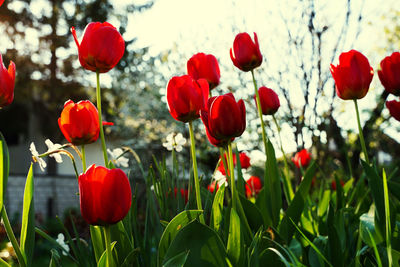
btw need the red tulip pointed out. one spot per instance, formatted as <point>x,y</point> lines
<point>394,108</point>
<point>253,186</point>
<point>7,83</point>
<point>213,186</point>
<point>224,118</point>
<point>247,53</point>
<point>244,162</point>
<point>102,47</point>
<point>302,158</point>
<point>389,74</point>
<point>352,75</point>
<point>79,122</point>
<point>105,195</point>
<point>202,66</point>
<point>186,97</point>
<point>269,100</point>
<point>1,2</point>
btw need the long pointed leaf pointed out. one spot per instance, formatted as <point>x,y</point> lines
<point>235,247</point>
<point>217,209</point>
<point>27,241</point>
<point>4,168</point>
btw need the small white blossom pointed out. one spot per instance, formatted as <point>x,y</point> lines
<point>174,142</point>
<point>220,179</point>
<point>60,241</point>
<point>36,158</point>
<point>117,157</point>
<point>52,147</point>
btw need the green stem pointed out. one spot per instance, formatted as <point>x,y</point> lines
<point>195,174</point>
<point>83,158</point>
<point>287,179</point>
<point>223,159</point>
<point>364,148</point>
<point>232,175</point>
<point>264,136</point>
<point>107,236</point>
<point>103,141</point>
<point>11,237</point>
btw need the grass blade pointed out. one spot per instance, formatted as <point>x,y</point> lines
<point>387,215</point>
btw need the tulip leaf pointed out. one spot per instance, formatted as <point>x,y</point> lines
<point>272,185</point>
<point>368,230</point>
<point>27,241</point>
<point>203,244</point>
<point>97,241</point>
<point>4,263</point>
<point>252,212</point>
<point>296,207</point>
<point>178,260</point>
<point>335,246</point>
<point>103,259</point>
<point>55,258</point>
<point>172,229</point>
<point>4,169</point>
<point>240,184</point>
<point>235,247</point>
<point>217,209</point>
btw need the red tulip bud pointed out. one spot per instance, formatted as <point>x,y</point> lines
<point>253,186</point>
<point>389,74</point>
<point>202,66</point>
<point>224,118</point>
<point>246,54</point>
<point>352,75</point>
<point>186,97</point>
<point>7,83</point>
<point>269,101</point>
<point>302,158</point>
<point>102,47</point>
<point>79,122</point>
<point>105,195</point>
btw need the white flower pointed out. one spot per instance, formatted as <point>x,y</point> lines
<point>36,158</point>
<point>220,179</point>
<point>60,241</point>
<point>117,157</point>
<point>52,147</point>
<point>174,142</point>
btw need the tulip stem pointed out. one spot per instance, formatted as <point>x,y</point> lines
<point>195,173</point>
<point>364,148</point>
<point>107,236</point>
<point>232,175</point>
<point>103,141</point>
<point>223,160</point>
<point>264,136</point>
<point>287,179</point>
<point>83,158</point>
<point>12,238</point>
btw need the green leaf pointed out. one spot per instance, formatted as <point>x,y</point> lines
<point>97,241</point>
<point>103,259</point>
<point>55,258</point>
<point>240,187</point>
<point>3,263</point>
<point>367,225</point>
<point>27,241</point>
<point>172,229</point>
<point>335,246</point>
<point>178,260</point>
<point>252,212</point>
<point>130,259</point>
<point>387,219</point>
<point>217,209</point>
<point>296,207</point>
<point>203,244</point>
<point>376,187</point>
<point>124,245</point>
<point>235,246</point>
<point>272,185</point>
<point>324,203</point>
<point>4,168</point>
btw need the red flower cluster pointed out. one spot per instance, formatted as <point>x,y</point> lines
<point>105,195</point>
<point>302,158</point>
<point>7,83</point>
